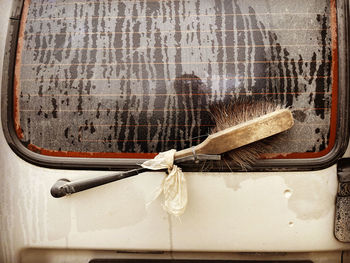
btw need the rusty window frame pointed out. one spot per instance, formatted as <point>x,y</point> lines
<point>341,129</point>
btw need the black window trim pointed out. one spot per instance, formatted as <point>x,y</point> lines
<point>339,148</point>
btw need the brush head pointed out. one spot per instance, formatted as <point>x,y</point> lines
<point>230,113</point>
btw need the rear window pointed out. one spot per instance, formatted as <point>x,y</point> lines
<point>130,79</point>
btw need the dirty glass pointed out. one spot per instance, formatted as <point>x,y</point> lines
<point>134,78</point>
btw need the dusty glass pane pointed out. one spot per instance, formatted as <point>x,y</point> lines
<point>112,77</point>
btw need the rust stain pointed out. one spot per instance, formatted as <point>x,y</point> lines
<point>334,108</point>
<point>305,155</point>
<point>17,76</point>
<point>56,153</point>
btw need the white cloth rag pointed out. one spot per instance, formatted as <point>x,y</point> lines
<point>173,186</point>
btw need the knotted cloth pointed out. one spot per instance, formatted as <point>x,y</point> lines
<point>173,185</point>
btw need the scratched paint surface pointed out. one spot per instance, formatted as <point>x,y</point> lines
<point>138,76</point>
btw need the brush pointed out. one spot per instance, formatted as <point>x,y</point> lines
<point>239,110</point>
<point>238,123</point>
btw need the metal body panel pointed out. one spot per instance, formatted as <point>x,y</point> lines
<point>227,212</point>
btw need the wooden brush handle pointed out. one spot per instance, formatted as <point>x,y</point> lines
<point>185,152</point>
<point>242,134</point>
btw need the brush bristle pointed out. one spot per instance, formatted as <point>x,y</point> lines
<point>235,111</point>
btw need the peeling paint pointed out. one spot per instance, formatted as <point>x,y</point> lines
<point>311,198</point>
